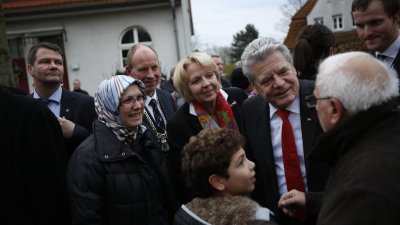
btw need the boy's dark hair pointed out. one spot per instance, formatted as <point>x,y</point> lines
<point>208,153</point>
<point>391,7</point>
<point>33,50</point>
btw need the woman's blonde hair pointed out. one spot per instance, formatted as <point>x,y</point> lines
<point>181,76</point>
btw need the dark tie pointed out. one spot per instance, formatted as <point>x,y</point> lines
<point>381,57</point>
<point>291,161</point>
<point>157,116</point>
<point>45,101</point>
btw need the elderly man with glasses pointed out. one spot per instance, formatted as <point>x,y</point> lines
<point>279,127</point>
<point>355,97</point>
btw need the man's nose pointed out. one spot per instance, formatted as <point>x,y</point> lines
<point>278,81</point>
<point>367,31</point>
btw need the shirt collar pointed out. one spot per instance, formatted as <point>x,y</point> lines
<point>148,99</point>
<point>191,107</point>
<point>55,97</point>
<point>294,107</point>
<point>392,50</point>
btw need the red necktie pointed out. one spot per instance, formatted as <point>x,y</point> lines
<point>291,162</point>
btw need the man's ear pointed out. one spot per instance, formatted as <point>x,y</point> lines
<point>337,110</point>
<point>217,182</point>
<point>128,70</point>
<point>396,18</point>
<point>30,68</point>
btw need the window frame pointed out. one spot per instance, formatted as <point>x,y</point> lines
<point>127,46</point>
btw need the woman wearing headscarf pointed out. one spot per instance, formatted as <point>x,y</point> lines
<point>207,106</point>
<point>118,174</point>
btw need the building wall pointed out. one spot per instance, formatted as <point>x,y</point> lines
<point>328,8</point>
<point>92,41</point>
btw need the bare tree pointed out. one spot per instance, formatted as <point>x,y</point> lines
<point>6,72</point>
<point>288,10</point>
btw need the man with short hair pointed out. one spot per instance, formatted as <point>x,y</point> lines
<point>279,127</point>
<point>354,97</point>
<point>377,23</point>
<point>143,64</point>
<point>75,112</point>
<point>77,87</point>
<point>220,67</point>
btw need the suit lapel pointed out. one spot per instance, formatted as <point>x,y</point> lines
<point>396,63</point>
<point>67,104</point>
<point>165,106</point>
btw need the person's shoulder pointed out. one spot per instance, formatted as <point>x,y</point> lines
<point>77,95</point>
<point>161,92</point>
<point>181,113</point>
<point>236,92</point>
<point>256,100</point>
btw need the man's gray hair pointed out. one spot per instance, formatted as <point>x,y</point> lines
<point>258,50</point>
<point>358,80</point>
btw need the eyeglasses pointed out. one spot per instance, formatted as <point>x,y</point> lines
<point>311,100</point>
<point>132,100</point>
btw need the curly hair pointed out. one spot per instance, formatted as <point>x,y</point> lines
<point>209,153</point>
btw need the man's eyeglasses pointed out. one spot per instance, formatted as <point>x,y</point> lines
<point>311,100</point>
<point>132,100</point>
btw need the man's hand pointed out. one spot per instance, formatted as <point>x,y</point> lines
<point>67,127</point>
<point>292,202</point>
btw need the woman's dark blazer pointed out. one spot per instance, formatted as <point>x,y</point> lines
<point>182,125</point>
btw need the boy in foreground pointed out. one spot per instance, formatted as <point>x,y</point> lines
<point>220,176</point>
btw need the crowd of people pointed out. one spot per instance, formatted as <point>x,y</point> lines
<point>308,139</point>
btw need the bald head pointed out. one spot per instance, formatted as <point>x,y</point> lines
<point>143,64</point>
<point>357,79</point>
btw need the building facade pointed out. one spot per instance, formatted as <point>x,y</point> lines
<point>95,35</point>
<point>335,14</point>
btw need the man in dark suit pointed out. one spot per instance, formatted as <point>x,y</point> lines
<point>143,64</point>
<point>75,112</point>
<point>279,127</point>
<point>33,164</point>
<point>377,23</point>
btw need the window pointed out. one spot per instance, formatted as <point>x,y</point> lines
<point>133,35</point>
<point>319,20</point>
<point>337,22</point>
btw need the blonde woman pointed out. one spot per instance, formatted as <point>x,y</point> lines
<point>207,106</point>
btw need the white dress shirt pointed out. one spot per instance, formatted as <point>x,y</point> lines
<point>390,53</point>
<point>55,103</point>
<point>150,108</point>
<point>276,133</point>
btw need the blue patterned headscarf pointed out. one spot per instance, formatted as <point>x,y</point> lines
<point>107,101</point>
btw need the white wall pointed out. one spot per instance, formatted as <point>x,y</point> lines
<point>92,40</point>
<point>328,8</point>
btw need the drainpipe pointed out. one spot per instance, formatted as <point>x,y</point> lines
<point>175,29</point>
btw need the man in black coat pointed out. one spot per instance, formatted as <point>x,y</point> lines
<point>33,164</point>
<point>354,97</point>
<point>268,65</point>
<point>75,112</point>
<point>143,64</point>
